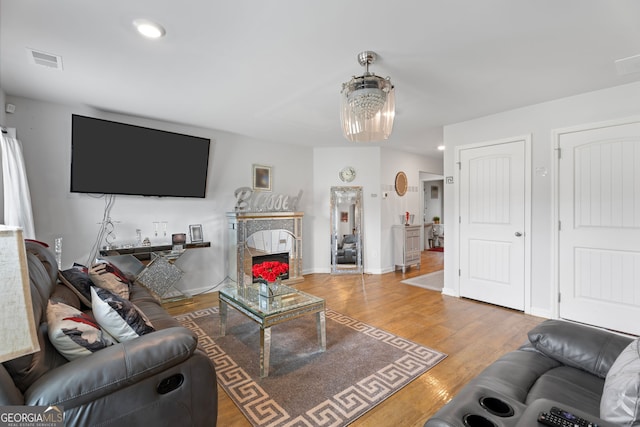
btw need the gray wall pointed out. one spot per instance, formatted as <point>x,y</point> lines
<point>539,121</point>
<point>45,132</point>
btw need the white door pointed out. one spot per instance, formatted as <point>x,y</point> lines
<point>492,223</point>
<point>599,237</point>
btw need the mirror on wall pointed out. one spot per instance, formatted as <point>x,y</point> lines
<point>346,230</point>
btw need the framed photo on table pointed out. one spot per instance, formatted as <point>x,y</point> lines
<point>261,178</point>
<point>195,233</point>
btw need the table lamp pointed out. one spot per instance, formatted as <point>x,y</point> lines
<point>18,335</point>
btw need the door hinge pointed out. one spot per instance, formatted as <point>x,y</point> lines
<point>559,297</point>
<point>559,150</point>
<point>459,273</point>
<point>459,220</point>
<point>459,165</point>
<point>559,225</point>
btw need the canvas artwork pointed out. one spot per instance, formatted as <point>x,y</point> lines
<point>261,178</point>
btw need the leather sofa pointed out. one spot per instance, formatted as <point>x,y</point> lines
<point>161,378</point>
<point>563,364</point>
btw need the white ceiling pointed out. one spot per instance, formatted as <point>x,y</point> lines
<point>273,69</point>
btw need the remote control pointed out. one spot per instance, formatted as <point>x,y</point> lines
<point>557,417</point>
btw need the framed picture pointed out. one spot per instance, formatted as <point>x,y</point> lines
<point>344,216</point>
<point>434,192</point>
<point>195,233</point>
<point>261,178</point>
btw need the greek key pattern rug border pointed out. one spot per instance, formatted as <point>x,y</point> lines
<point>342,408</point>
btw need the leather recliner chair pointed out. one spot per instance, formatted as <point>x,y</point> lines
<point>347,250</point>
<point>161,378</point>
<point>564,364</point>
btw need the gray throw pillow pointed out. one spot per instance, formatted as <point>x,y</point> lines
<point>620,403</point>
<point>121,318</point>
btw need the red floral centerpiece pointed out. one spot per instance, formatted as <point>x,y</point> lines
<point>269,272</point>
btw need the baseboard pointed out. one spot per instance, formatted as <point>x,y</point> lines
<point>450,292</point>
<point>540,313</point>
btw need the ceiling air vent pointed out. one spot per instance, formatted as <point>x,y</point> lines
<point>45,59</point>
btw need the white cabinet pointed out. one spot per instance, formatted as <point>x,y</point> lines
<point>406,246</point>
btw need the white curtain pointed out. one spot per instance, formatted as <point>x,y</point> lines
<point>17,198</point>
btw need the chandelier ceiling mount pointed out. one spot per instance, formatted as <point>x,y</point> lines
<point>368,104</point>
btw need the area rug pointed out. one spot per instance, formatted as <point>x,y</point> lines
<point>436,249</point>
<point>361,367</point>
<point>433,281</point>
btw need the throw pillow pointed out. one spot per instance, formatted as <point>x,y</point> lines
<point>38,242</point>
<point>118,316</point>
<point>349,238</point>
<point>65,295</point>
<point>73,333</point>
<point>108,276</point>
<point>620,402</point>
<point>77,279</point>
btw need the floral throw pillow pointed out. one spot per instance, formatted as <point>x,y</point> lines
<point>108,276</point>
<point>118,316</point>
<point>73,333</point>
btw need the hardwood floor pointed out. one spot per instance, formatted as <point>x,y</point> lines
<point>471,333</point>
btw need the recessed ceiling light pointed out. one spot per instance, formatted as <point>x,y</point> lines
<point>149,29</point>
<point>441,147</point>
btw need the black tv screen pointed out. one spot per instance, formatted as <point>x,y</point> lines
<point>117,158</point>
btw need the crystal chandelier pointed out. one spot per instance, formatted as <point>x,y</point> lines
<point>368,105</point>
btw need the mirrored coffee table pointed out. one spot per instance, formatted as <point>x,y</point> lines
<point>288,304</point>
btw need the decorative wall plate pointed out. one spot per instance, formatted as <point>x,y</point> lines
<point>401,183</point>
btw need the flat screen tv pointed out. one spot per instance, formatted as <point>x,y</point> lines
<point>116,158</point>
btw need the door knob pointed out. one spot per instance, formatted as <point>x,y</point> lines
<point>518,234</point>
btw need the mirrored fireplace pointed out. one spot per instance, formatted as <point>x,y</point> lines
<point>269,245</point>
<point>255,237</point>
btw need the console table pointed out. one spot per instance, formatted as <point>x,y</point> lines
<point>143,253</point>
<point>156,270</point>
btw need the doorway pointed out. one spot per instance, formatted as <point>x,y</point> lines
<point>432,202</point>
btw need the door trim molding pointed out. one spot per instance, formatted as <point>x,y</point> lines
<point>526,138</point>
<point>556,134</point>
